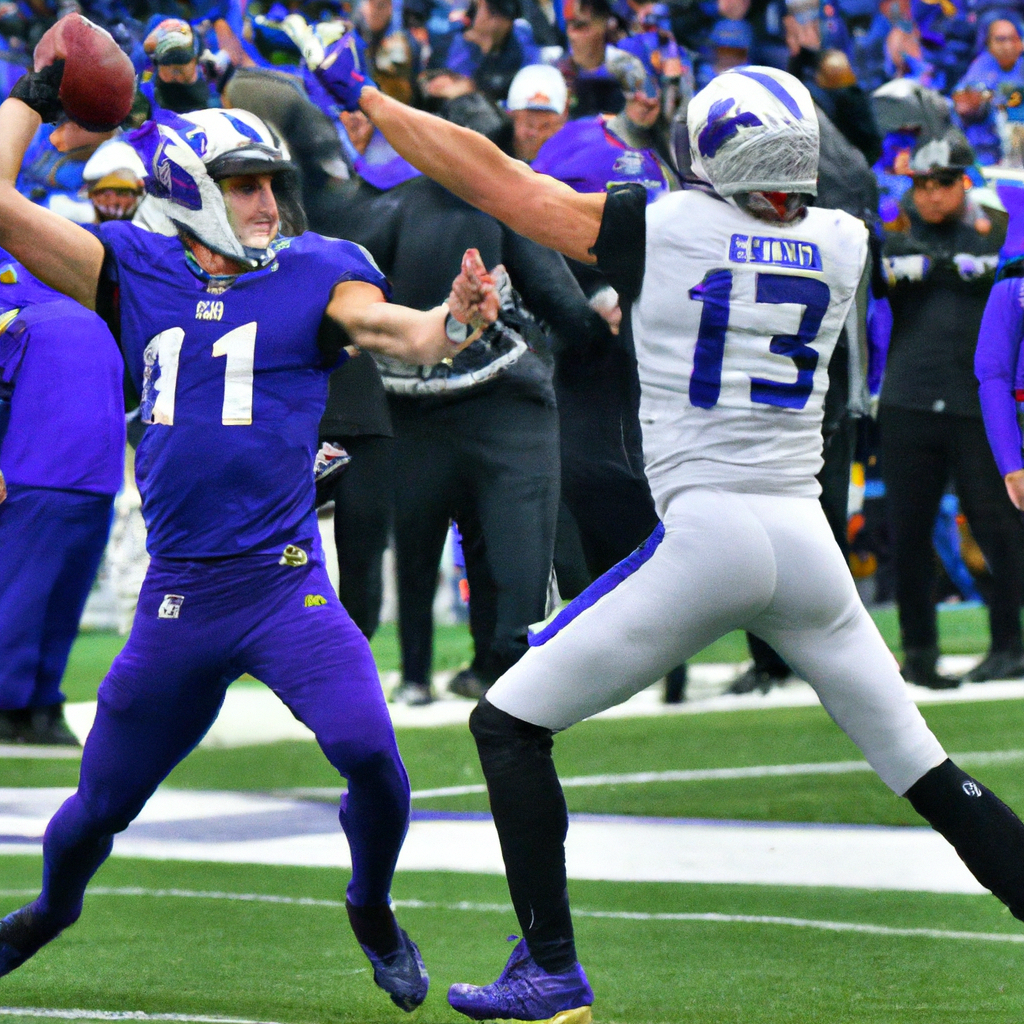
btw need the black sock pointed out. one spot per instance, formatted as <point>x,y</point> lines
<point>531,819</point>
<point>375,927</point>
<point>986,834</point>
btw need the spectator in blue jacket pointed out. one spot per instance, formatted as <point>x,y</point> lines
<point>1000,66</point>
<point>974,113</point>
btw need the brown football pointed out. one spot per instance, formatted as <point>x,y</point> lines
<point>98,85</point>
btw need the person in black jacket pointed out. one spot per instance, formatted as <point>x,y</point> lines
<point>941,271</point>
<point>357,420</point>
<point>476,441</point>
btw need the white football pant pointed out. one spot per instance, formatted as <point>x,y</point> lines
<point>764,563</point>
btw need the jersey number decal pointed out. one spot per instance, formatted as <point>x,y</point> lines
<point>239,350</point>
<point>714,292</point>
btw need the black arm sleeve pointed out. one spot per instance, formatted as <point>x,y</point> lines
<point>621,245</point>
<point>552,294</point>
<point>107,304</point>
<point>331,338</point>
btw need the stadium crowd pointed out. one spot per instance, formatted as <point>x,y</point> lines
<point>529,440</point>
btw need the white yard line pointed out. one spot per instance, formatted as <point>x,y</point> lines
<point>761,771</point>
<point>504,908</point>
<point>30,752</point>
<point>254,829</point>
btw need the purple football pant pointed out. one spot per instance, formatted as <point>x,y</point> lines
<point>200,625</point>
<point>51,544</point>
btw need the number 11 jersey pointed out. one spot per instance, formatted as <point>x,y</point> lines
<point>734,322</point>
<point>232,375</point>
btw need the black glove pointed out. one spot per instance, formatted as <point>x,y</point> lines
<point>41,91</point>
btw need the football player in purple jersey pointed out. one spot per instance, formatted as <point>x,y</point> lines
<point>229,323</point>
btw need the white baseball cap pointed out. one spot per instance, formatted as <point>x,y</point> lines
<point>538,87</point>
<point>114,165</point>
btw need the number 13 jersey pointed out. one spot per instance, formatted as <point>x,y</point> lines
<point>734,322</point>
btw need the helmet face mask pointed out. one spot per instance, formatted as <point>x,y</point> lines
<point>754,129</point>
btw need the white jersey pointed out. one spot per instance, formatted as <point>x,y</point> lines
<point>734,327</point>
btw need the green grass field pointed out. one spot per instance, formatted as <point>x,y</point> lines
<point>298,964</point>
<point>964,630</point>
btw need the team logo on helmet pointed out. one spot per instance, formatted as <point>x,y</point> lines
<point>754,129</point>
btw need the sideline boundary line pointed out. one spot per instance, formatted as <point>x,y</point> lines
<point>761,771</point>
<point>33,1011</point>
<point>504,908</point>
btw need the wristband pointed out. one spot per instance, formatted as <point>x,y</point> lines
<point>456,331</point>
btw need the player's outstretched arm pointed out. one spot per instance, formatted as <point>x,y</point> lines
<point>415,336</point>
<point>57,251</point>
<point>477,171</point>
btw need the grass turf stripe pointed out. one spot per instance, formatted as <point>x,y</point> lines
<point>33,1011</point>
<point>761,771</point>
<point>504,908</point>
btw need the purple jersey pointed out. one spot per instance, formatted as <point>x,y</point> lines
<point>999,367</point>
<point>233,381</point>
<point>589,158</point>
<point>67,407</point>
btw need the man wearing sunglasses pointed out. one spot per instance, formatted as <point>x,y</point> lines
<point>941,269</point>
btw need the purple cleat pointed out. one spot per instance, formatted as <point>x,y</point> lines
<point>525,991</point>
<point>22,934</point>
<point>401,974</point>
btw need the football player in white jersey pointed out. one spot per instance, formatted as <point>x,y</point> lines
<point>737,292</point>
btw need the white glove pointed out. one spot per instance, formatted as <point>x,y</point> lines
<point>971,267</point>
<point>906,268</point>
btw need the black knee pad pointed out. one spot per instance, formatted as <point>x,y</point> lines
<point>493,728</point>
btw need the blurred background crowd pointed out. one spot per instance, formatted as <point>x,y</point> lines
<point>528,446</point>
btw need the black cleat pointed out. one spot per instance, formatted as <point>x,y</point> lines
<point>919,668</point>
<point>997,665</point>
<point>47,727</point>
<point>754,679</point>
<point>468,684</point>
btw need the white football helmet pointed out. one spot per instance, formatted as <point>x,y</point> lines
<point>754,129</point>
<point>186,154</point>
<point>237,142</point>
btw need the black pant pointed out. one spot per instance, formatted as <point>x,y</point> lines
<point>489,461</point>
<point>921,453</point>
<point>362,522</point>
<point>604,490</point>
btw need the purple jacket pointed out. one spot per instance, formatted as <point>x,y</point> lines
<point>999,367</point>
<point>66,429</point>
<point>587,156</point>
